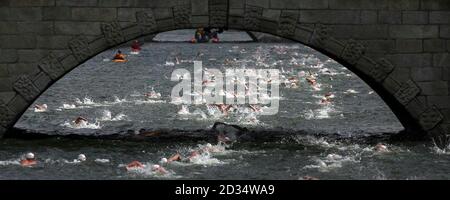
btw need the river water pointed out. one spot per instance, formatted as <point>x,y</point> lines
<point>327,141</point>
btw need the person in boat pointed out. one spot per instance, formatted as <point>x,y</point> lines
<point>119,57</point>
<point>214,35</point>
<point>29,160</point>
<point>80,120</point>
<point>200,35</point>
<point>40,108</point>
<point>135,46</point>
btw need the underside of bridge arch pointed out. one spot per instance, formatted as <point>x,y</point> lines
<point>312,23</point>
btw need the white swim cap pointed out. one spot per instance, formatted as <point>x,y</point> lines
<point>209,145</point>
<point>155,167</point>
<point>81,157</point>
<point>29,156</point>
<point>163,160</point>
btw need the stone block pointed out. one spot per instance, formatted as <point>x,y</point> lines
<point>355,4</point>
<point>401,74</point>
<point>259,3</point>
<point>42,81</point>
<point>426,73</point>
<point>285,4</point>
<point>77,28</point>
<point>237,12</point>
<point>271,14</point>
<point>8,27</point>
<point>414,17</point>
<point>440,17</point>
<point>31,55</point>
<point>330,16</point>
<point>42,28</point>
<point>57,13</point>
<point>94,14</point>
<point>116,3</point>
<point>360,31</point>
<point>76,3</point>
<point>410,60</point>
<point>199,7</point>
<point>414,31</point>
<point>439,101</point>
<point>441,60</point>
<point>369,17</point>
<point>408,46</point>
<point>4,70</point>
<point>163,13</point>
<point>437,88</point>
<point>6,85</point>
<point>380,45</point>
<point>312,4</point>
<point>18,104</point>
<point>26,3</point>
<point>53,42</point>
<point>403,4</point>
<point>8,55</point>
<point>444,31</point>
<point>389,17</point>
<point>236,4</point>
<point>25,14</point>
<point>17,41</point>
<point>22,68</point>
<point>7,96</point>
<point>434,5</point>
<point>434,45</point>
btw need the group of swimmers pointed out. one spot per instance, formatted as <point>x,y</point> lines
<point>30,159</point>
<point>222,140</point>
<point>208,34</point>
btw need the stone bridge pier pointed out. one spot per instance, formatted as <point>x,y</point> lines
<point>399,47</point>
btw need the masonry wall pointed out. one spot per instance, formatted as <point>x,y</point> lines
<point>413,36</point>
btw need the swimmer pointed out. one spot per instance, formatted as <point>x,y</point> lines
<point>309,178</point>
<point>381,148</point>
<point>135,165</point>
<point>40,108</point>
<point>223,108</point>
<point>29,160</point>
<point>82,157</point>
<point>159,169</point>
<point>255,108</point>
<point>175,157</point>
<point>80,120</point>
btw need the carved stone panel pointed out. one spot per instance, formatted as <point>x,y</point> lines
<point>430,118</point>
<point>252,17</point>
<point>112,33</point>
<point>147,21</point>
<point>25,87</point>
<point>218,11</point>
<point>182,16</point>
<point>320,35</point>
<point>52,66</point>
<point>381,70</point>
<point>80,48</point>
<point>6,115</point>
<point>407,91</point>
<point>353,51</point>
<point>287,23</point>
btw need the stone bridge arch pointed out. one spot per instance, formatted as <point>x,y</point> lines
<point>377,40</point>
